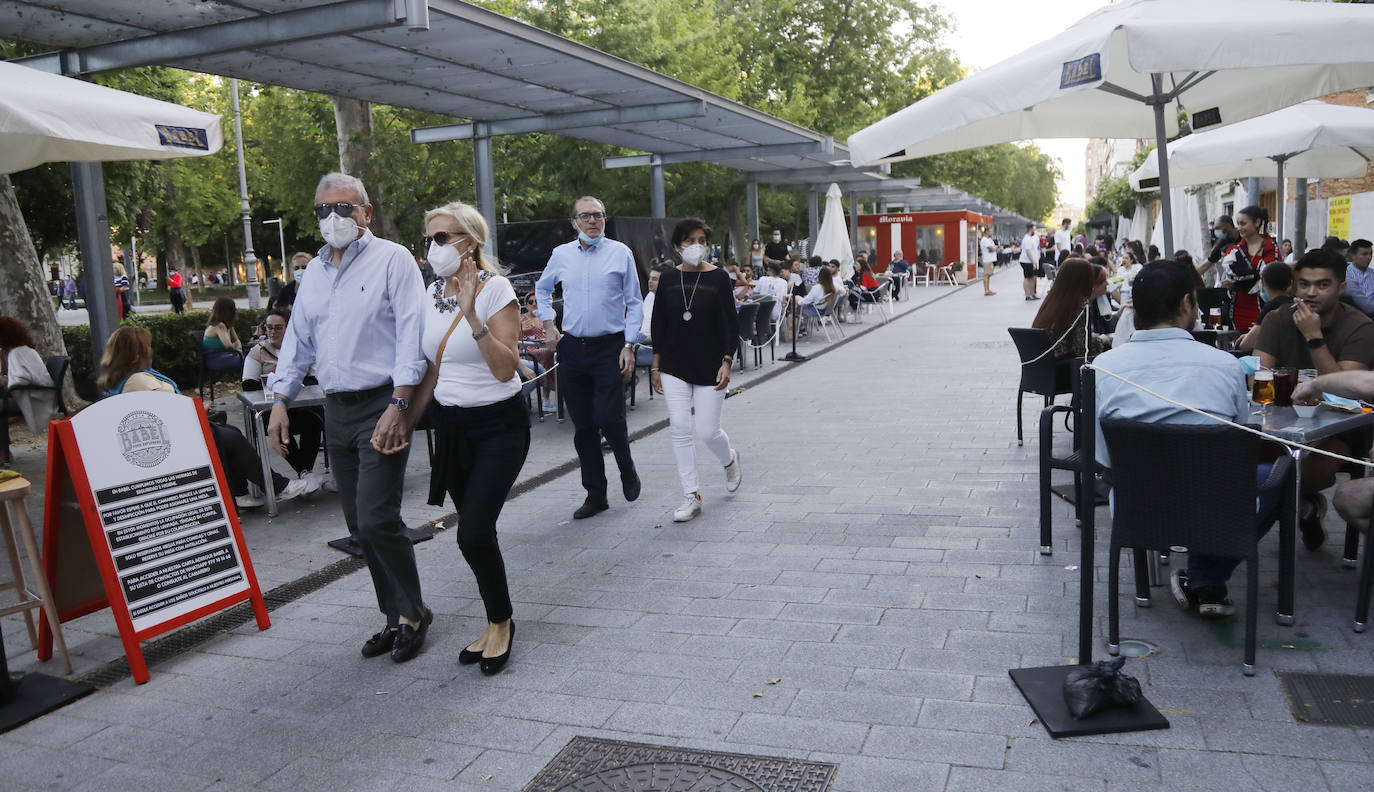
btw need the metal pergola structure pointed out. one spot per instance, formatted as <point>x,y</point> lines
<point>442,56</point>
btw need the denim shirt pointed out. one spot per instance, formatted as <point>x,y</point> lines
<point>600,289</point>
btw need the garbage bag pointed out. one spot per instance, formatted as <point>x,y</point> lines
<point>1090,689</point>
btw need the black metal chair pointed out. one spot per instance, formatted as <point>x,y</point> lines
<point>763,330</point>
<point>1080,461</point>
<point>1040,374</point>
<point>207,375</point>
<point>1193,485</point>
<point>748,316</point>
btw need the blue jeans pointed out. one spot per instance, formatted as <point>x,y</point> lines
<point>1214,570</point>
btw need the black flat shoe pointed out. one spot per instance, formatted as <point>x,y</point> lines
<point>410,639</point>
<point>493,665</point>
<point>590,507</point>
<point>380,643</point>
<point>468,657</point>
<point>629,483</point>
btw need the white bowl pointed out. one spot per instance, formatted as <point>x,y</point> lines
<point>1305,410</point>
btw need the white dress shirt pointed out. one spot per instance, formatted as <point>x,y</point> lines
<point>358,323</point>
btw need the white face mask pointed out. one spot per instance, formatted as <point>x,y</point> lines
<point>338,232</point>
<point>297,275</point>
<point>777,237</point>
<point>444,259</point>
<point>693,254</point>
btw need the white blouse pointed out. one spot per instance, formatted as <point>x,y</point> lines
<point>465,380</point>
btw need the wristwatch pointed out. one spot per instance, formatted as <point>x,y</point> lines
<point>629,345</point>
<point>1316,343</point>
<point>401,404</point>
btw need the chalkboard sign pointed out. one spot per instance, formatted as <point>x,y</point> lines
<point>137,501</point>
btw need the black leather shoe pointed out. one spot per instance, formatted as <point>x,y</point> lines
<point>1310,525</point>
<point>410,639</point>
<point>630,483</point>
<point>589,507</point>
<point>468,657</point>
<point>493,665</point>
<point>380,643</point>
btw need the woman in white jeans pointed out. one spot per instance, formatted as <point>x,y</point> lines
<point>696,332</point>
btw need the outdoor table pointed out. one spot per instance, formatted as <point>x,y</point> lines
<point>257,406</point>
<point>1284,423</point>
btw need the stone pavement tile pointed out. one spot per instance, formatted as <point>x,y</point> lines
<point>136,745</point>
<point>932,636</point>
<point>908,596</point>
<point>918,684</point>
<point>866,773</point>
<point>790,630</point>
<point>1045,645</point>
<point>34,767</point>
<point>998,688</point>
<point>679,666</point>
<point>805,676</point>
<point>613,685</point>
<point>1283,739</point>
<point>849,614</point>
<point>860,707</point>
<point>936,745</point>
<point>1002,603</point>
<point>979,779</point>
<point>1208,770</point>
<point>737,697</point>
<point>655,720</point>
<point>57,730</point>
<point>905,552</point>
<point>590,655</point>
<point>848,655</point>
<point>624,638</point>
<point>556,708</point>
<point>864,566</point>
<point>123,777</point>
<point>1090,760</point>
<point>735,646</point>
<point>224,757</point>
<point>807,733</point>
<point>685,625</point>
<point>1004,719</point>
<point>735,608</point>
<point>1345,776</point>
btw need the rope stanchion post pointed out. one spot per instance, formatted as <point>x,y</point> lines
<point>793,356</point>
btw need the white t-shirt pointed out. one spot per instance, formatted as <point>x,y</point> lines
<point>648,316</point>
<point>1030,249</point>
<point>1063,241</point>
<point>465,380</point>
<point>989,250</point>
<point>776,287</point>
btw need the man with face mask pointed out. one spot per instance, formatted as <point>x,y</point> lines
<point>776,250</point>
<point>357,318</point>
<point>287,296</point>
<point>602,317</point>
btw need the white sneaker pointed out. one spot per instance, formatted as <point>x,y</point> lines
<point>691,507</point>
<point>293,488</point>
<point>733,474</point>
<point>550,405</point>
<point>248,501</point>
<point>314,483</point>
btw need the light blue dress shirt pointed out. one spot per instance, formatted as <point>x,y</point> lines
<point>600,289</point>
<point>1171,363</point>
<point>358,323</point>
<point>1360,286</point>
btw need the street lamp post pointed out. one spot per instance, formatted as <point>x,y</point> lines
<point>281,239</point>
<point>250,261</point>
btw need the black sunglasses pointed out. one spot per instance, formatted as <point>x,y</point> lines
<point>342,209</point>
<point>441,237</point>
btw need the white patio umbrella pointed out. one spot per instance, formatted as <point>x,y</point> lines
<point>49,118</point>
<point>832,241</point>
<point>1124,69</point>
<point>1312,140</point>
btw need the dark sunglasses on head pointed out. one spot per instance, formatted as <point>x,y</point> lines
<point>441,237</point>
<point>342,209</point>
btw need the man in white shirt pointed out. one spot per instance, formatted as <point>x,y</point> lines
<point>1030,260</point>
<point>357,318</point>
<point>989,251</point>
<point>773,286</point>
<point>1063,242</point>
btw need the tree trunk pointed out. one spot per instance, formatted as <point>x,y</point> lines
<point>200,277</point>
<point>175,259</point>
<point>25,295</point>
<point>353,124</point>
<point>734,214</point>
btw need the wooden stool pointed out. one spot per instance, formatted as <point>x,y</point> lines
<point>15,512</point>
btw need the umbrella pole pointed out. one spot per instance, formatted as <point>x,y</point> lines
<point>1162,146</point>
<point>1278,205</point>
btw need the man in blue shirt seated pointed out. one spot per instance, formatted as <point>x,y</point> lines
<point>1163,357</point>
<point>602,318</point>
<point>1359,278</point>
<point>898,269</point>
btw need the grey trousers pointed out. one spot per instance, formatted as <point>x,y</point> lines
<point>370,485</point>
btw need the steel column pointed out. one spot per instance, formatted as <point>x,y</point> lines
<point>1165,199</point>
<point>751,208</point>
<point>484,180</point>
<point>657,206</point>
<point>250,261</point>
<point>853,222</point>
<point>97,268</point>
<point>813,219</point>
<point>1300,216</point>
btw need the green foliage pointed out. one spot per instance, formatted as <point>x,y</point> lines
<point>173,352</point>
<point>1115,195</point>
<point>1016,177</point>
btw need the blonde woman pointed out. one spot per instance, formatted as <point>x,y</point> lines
<point>482,431</point>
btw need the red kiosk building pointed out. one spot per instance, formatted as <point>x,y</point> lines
<point>935,238</point>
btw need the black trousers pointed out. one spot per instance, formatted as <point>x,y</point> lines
<point>241,463</point>
<point>478,454</point>
<point>178,298</point>
<point>593,391</point>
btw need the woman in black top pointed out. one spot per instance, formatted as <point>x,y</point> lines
<point>696,332</point>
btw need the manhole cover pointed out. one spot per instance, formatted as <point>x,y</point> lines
<point>1329,699</point>
<point>589,764</point>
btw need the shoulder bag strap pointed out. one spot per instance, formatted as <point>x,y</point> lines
<point>439,356</point>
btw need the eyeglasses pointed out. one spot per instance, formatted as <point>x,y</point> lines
<point>276,328</point>
<point>342,209</point>
<point>588,217</point>
<point>440,237</point>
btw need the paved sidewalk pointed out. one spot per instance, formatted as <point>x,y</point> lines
<point>859,601</point>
